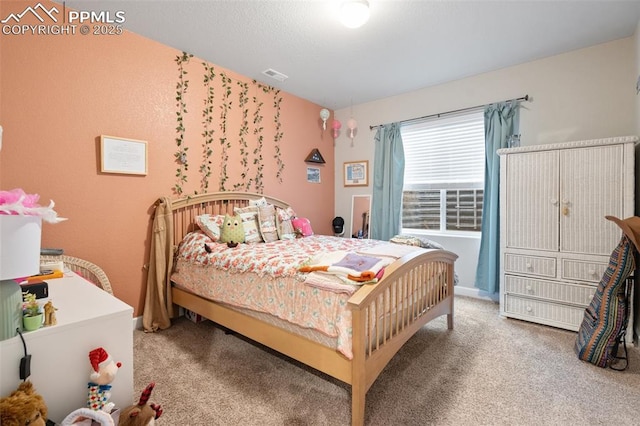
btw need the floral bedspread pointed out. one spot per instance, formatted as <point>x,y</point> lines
<point>280,258</point>
<point>264,277</point>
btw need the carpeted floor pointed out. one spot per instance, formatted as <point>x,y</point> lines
<point>487,371</point>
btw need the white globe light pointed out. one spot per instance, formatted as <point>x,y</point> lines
<point>324,115</point>
<point>354,13</point>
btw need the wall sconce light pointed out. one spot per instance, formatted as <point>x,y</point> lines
<point>324,115</point>
<point>335,126</point>
<point>352,125</point>
<point>354,13</point>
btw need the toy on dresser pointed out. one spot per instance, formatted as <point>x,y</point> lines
<point>50,314</point>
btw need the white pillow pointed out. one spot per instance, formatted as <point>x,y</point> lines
<point>260,202</point>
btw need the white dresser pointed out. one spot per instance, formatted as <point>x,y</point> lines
<point>88,318</point>
<point>554,238</point>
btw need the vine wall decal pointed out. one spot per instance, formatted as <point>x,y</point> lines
<point>241,142</point>
<point>224,141</point>
<point>277,101</point>
<point>257,132</point>
<point>243,99</point>
<point>181,153</point>
<point>208,132</point>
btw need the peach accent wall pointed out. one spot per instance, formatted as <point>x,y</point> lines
<point>59,93</point>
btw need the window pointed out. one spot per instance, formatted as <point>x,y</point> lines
<point>444,173</point>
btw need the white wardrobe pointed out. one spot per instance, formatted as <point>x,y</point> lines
<point>555,241</point>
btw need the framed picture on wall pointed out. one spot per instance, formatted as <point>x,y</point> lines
<point>123,156</point>
<point>356,173</point>
<point>313,175</point>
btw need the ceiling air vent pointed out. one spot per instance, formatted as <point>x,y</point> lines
<point>275,74</point>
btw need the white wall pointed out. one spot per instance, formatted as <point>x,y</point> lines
<point>636,42</point>
<point>584,94</point>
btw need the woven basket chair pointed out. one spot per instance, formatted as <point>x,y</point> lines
<point>85,269</point>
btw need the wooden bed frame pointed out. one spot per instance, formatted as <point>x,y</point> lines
<point>414,277</point>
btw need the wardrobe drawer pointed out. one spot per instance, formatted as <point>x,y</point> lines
<point>530,265</point>
<point>551,290</point>
<point>555,314</point>
<point>582,270</point>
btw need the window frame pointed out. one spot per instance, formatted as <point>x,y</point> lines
<point>477,116</point>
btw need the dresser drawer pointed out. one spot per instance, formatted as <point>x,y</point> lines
<point>530,265</point>
<point>555,314</point>
<point>551,290</point>
<point>582,270</point>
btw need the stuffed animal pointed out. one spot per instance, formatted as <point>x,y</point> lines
<point>88,417</point>
<point>232,229</point>
<point>141,414</point>
<point>23,407</point>
<point>104,370</point>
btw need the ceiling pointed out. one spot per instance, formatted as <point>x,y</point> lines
<point>405,46</point>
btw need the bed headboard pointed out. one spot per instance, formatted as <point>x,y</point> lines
<point>184,210</point>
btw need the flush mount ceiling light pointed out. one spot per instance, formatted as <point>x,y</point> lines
<point>354,13</point>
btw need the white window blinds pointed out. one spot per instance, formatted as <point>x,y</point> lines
<point>445,152</point>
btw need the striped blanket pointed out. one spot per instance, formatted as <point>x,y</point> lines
<point>604,318</point>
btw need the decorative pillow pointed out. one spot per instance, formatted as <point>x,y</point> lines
<point>193,243</point>
<point>232,229</point>
<point>210,225</point>
<point>302,226</point>
<point>249,217</point>
<point>267,222</point>
<point>259,202</point>
<point>284,218</point>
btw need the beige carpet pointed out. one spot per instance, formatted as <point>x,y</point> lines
<point>487,371</point>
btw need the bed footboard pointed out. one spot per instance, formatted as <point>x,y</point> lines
<point>414,290</point>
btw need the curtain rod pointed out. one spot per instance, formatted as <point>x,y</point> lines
<point>440,114</point>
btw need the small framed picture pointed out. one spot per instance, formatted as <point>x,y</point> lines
<point>313,175</point>
<point>356,173</point>
<point>124,156</point>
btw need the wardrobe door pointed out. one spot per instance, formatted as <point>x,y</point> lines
<point>591,187</point>
<point>532,200</point>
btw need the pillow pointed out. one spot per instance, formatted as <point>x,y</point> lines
<point>210,225</point>
<point>267,223</point>
<point>232,229</point>
<point>302,226</point>
<point>284,223</point>
<point>249,217</point>
<point>259,202</point>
